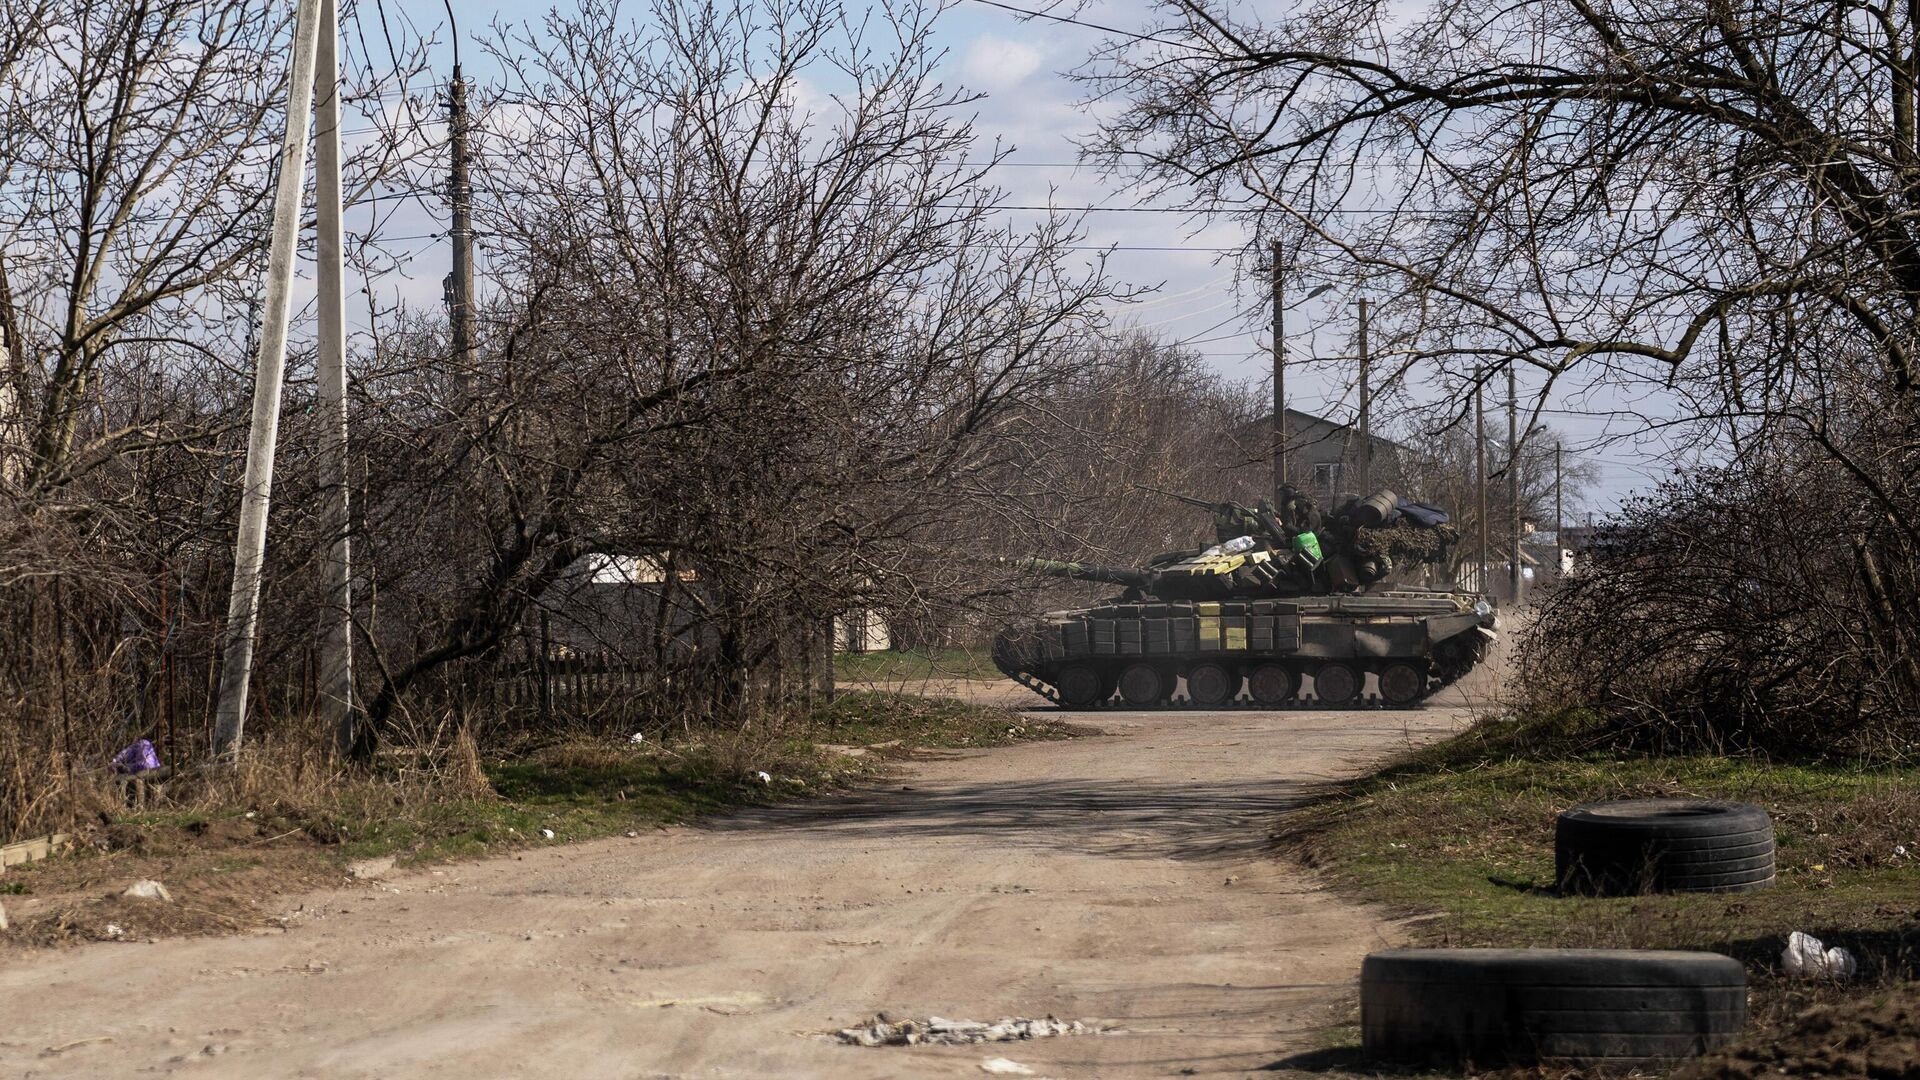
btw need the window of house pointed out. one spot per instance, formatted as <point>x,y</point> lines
<point>1326,477</point>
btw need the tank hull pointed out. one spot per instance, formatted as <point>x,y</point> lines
<point>1390,649</point>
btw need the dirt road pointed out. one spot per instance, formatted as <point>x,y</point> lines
<point>1118,879</point>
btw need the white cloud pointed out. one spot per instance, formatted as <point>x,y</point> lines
<point>996,63</point>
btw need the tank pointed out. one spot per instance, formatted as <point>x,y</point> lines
<point>1284,600</point>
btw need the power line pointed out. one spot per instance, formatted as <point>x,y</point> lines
<point>1129,34</point>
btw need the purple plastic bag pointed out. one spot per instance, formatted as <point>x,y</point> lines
<point>137,758</point>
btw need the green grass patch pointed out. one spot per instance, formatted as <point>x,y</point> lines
<point>1460,834</point>
<point>914,665</point>
<point>1471,843</point>
<point>866,718</point>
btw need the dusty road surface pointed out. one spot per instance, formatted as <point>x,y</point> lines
<point>1117,879</point>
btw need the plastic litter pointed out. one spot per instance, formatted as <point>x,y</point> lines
<point>546,834</point>
<point>138,757</point>
<point>1232,547</point>
<point>881,1031</point>
<point>763,777</point>
<point>148,889</point>
<point>1004,1067</point>
<point>1807,957</point>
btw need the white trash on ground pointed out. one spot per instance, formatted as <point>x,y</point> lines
<point>938,1031</point>
<point>148,889</point>
<point>1807,957</point>
<point>1003,1067</point>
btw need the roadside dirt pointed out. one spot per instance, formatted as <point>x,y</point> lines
<point>1119,879</point>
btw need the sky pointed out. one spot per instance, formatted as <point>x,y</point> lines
<point>1037,112</point>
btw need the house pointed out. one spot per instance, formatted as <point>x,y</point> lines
<point>1325,458</point>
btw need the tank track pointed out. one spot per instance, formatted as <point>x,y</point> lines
<point>1243,703</point>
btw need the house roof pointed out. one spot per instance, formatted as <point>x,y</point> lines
<point>1297,420</point>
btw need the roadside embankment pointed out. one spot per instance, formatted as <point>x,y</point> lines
<point>285,820</point>
<point>1459,835</point>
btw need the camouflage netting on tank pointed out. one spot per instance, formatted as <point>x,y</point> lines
<point>1404,543</point>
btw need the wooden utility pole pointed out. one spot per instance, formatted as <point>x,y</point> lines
<point>1480,472</point>
<point>335,689</point>
<point>1366,402</point>
<point>250,544</point>
<point>460,200</point>
<point>1513,480</point>
<point>1274,256</point>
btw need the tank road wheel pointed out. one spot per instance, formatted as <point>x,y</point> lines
<point>1273,684</point>
<point>1142,686</point>
<point>1336,684</point>
<point>1081,687</point>
<point>1210,684</point>
<point>1402,684</point>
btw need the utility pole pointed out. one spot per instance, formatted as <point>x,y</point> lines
<point>1480,471</point>
<point>1559,517</point>
<point>1513,480</point>
<point>250,545</point>
<point>335,690</point>
<point>1366,401</point>
<point>1279,372</point>
<point>460,199</point>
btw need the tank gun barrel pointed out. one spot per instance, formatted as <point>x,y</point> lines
<point>1188,499</point>
<point>1112,575</point>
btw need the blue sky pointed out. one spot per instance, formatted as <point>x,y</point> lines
<point>1035,110</point>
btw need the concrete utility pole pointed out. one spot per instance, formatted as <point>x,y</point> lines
<point>1366,403</point>
<point>1279,370</point>
<point>1480,472</point>
<point>1513,481</point>
<point>1559,515</point>
<point>250,545</point>
<point>460,199</point>
<point>335,690</point>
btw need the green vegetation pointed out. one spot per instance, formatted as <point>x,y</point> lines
<point>1460,835</point>
<point>1468,837</point>
<point>914,665</point>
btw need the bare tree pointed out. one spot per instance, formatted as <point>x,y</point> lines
<point>135,158</point>
<point>1704,209</point>
<point>1709,199</point>
<point>773,345</point>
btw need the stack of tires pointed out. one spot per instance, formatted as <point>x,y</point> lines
<point>1603,1008</point>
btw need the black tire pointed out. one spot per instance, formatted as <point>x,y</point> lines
<point>1486,1008</point>
<point>1081,686</point>
<point>1143,686</point>
<point>1273,684</point>
<point>1211,684</point>
<point>1639,846</point>
<point>1402,683</point>
<point>1337,684</point>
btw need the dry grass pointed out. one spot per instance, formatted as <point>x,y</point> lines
<point>232,841</point>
